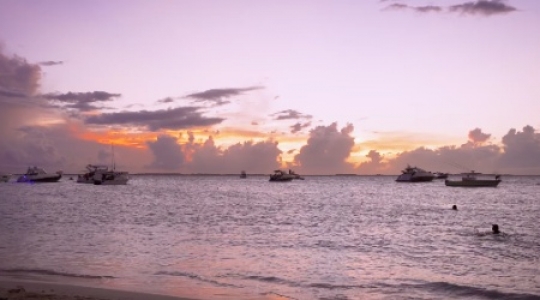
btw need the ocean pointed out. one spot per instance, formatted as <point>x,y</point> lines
<point>326,237</point>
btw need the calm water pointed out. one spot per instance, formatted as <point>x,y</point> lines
<point>221,237</point>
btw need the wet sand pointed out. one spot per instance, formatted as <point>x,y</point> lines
<point>16,290</point>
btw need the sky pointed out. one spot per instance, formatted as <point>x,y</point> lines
<point>323,87</point>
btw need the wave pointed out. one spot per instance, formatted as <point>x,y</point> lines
<point>195,277</point>
<point>55,273</point>
<point>471,291</point>
<point>437,288</point>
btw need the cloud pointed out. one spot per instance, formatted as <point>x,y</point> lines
<point>326,151</point>
<point>521,150</point>
<point>290,114</point>
<point>261,157</point>
<point>166,100</point>
<point>167,153</point>
<point>218,96</point>
<point>476,136</point>
<point>174,119</point>
<point>483,7</point>
<point>80,101</point>
<point>299,126</point>
<point>374,166</point>
<point>50,63</point>
<point>18,77</point>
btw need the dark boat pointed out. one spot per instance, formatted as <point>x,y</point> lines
<point>471,180</point>
<point>35,174</point>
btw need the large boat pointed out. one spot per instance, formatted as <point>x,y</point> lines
<point>35,174</point>
<point>471,179</point>
<point>415,174</point>
<point>103,175</point>
<point>5,177</point>
<point>281,176</point>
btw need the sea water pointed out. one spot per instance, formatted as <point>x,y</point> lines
<point>326,237</point>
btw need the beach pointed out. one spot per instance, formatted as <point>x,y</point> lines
<point>21,289</point>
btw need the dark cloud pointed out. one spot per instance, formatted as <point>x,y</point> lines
<point>50,63</point>
<point>326,151</point>
<point>218,96</point>
<point>299,126</point>
<point>18,77</point>
<point>290,114</point>
<point>174,119</point>
<point>167,153</point>
<point>11,94</point>
<point>476,136</point>
<point>166,100</point>
<point>80,101</point>
<point>19,82</point>
<point>483,7</point>
<point>420,9</point>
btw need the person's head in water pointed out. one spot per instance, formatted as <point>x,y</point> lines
<point>495,229</point>
<point>454,207</point>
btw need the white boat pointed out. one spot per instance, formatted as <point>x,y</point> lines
<point>471,179</point>
<point>35,174</point>
<point>415,174</point>
<point>103,175</point>
<point>5,177</point>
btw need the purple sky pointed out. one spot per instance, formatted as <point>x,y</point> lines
<point>403,74</point>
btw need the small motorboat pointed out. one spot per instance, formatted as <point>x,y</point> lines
<point>243,174</point>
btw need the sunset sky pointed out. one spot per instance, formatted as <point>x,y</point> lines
<point>323,87</point>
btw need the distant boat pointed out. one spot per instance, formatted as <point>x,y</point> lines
<point>470,179</point>
<point>243,174</point>
<point>440,175</point>
<point>102,175</point>
<point>415,174</point>
<point>5,177</point>
<point>35,174</point>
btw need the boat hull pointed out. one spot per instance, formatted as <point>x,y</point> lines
<point>413,178</point>
<point>472,183</point>
<point>40,179</point>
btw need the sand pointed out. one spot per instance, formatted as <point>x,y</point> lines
<point>16,290</point>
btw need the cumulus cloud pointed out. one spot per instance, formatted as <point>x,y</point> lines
<point>19,77</point>
<point>483,7</point>
<point>167,153</point>
<point>476,136</point>
<point>174,118</point>
<point>375,164</point>
<point>521,149</point>
<point>326,151</point>
<point>261,157</point>
<point>50,63</point>
<point>290,114</point>
<point>299,126</point>
<point>219,96</point>
<point>80,101</point>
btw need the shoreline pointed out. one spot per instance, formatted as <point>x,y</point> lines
<point>11,289</point>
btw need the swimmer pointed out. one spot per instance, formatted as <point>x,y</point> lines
<point>495,229</point>
<point>454,207</point>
